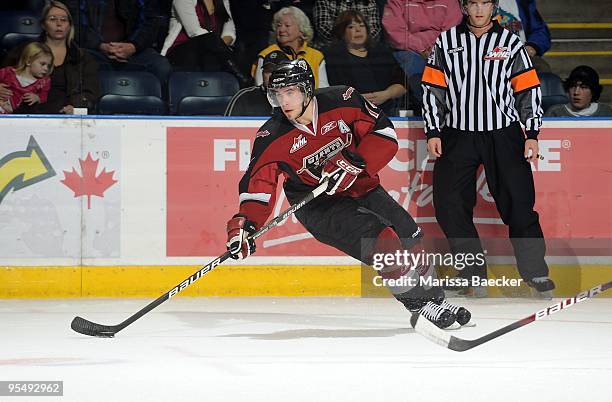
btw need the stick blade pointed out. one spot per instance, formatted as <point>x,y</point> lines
<point>461,345</point>
<point>437,335</point>
<point>430,331</point>
<point>89,328</point>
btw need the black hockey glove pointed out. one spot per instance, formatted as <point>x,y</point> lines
<point>341,171</point>
<point>238,243</point>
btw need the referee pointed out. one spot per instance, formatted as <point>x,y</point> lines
<point>479,86</point>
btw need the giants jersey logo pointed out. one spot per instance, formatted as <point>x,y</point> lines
<point>313,163</point>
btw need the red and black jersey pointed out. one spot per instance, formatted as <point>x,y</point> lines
<point>342,118</point>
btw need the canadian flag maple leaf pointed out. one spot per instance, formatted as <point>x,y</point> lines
<point>89,184</point>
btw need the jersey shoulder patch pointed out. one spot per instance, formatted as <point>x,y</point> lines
<point>272,129</point>
<point>337,96</point>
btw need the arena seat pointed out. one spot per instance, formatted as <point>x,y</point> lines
<point>130,92</point>
<point>17,27</point>
<point>201,93</point>
<point>553,92</point>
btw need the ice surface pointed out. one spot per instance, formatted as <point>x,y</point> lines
<point>304,349</point>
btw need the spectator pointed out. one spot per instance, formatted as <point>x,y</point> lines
<point>583,90</point>
<point>200,36</point>
<point>293,32</point>
<point>354,59</point>
<point>74,80</point>
<point>522,18</point>
<point>29,81</point>
<point>305,5</point>
<point>413,26</point>
<point>253,20</point>
<point>121,34</point>
<point>326,12</point>
<point>253,101</point>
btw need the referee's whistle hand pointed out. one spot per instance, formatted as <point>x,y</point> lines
<point>531,150</point>
<point>434,146</point>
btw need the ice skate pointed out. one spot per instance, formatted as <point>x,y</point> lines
<point>542,287</point>
<point>440,316</point>
<point>464,317</point>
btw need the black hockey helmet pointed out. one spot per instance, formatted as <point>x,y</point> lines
<point>294,72</point>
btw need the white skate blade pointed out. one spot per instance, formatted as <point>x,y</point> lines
<point>546,295</point>
<point>453,327</point>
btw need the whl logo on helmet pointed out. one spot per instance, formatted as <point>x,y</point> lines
<point>302,64</point>
<point>298,143</point>
<point>499,53</point>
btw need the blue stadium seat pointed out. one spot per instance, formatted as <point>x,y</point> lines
<point>552,90</point>
<point>12,39</point>
<point>130,92</point>
<point>201,93</point>
<point>17,27</point>
<point>32,5</point>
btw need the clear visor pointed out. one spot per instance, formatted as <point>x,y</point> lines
<point>291,96</point>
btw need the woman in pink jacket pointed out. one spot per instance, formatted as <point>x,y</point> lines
<point>413,26</point>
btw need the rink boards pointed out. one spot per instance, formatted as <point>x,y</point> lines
<point>105,207</point>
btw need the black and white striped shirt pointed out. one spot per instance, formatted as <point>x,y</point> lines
<point>480,84</point>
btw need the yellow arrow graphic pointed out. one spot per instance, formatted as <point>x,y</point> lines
<point>23,168</point>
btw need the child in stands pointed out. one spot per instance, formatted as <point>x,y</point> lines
<point>29,81</point>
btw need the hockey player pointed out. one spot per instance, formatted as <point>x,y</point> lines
<point>479,85</point>
<point>338,136</point>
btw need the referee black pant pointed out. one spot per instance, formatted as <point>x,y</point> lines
<point>510,183</point>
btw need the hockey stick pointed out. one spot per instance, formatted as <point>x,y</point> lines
<point>90,328</point>
<point>430,331</point>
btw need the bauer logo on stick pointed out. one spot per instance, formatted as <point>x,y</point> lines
<point>568,302</point>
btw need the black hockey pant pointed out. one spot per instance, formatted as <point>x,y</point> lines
<point>352,225</point>
<point>510,183</point>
